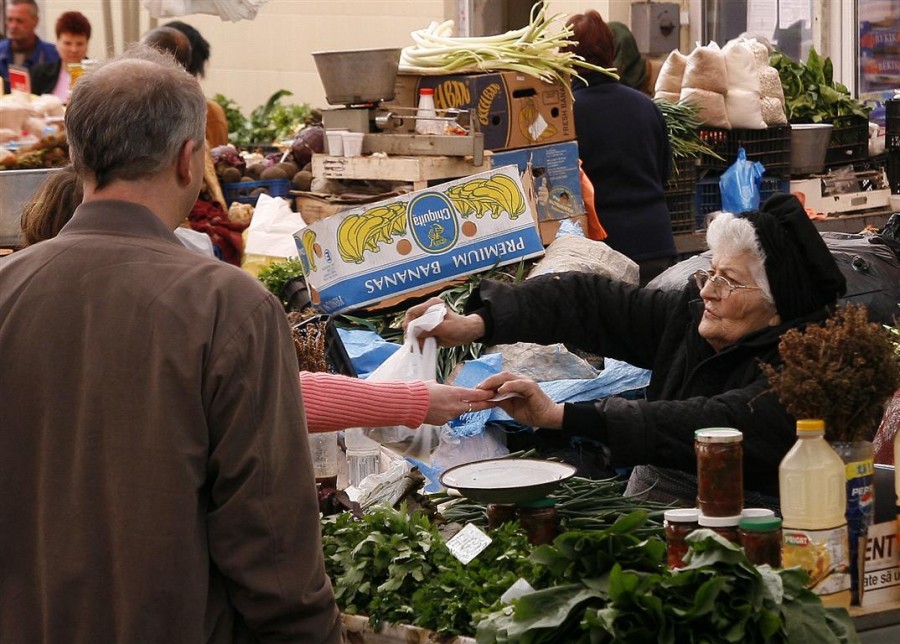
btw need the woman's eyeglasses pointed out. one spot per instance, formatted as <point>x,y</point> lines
<point>723,286</point>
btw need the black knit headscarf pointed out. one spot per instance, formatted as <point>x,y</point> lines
<point>802,273</point>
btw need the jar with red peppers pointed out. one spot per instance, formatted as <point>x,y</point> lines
<point>726,527</point>
<point>720,471</point>
<point>678,523</point>
<point>539,520</point>
<point>761,539</point>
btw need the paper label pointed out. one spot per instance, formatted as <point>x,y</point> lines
<point>468,543</point>
<point>881,581</point>
<point>824,554</point>
<point>19,80</point>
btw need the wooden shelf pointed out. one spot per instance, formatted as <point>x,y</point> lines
<point>418,170</point>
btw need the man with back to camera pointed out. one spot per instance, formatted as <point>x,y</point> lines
<point>22,45</point>
<point>157,479</point>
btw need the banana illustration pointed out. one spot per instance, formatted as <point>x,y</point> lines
<point>368,230</point>
<point>515,202</point>
<point>308,239</point>
<point>527,115</point>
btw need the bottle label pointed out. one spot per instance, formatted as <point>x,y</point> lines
<point>824,554</point>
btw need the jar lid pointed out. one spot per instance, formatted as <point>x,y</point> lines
<point>757,512</point>
<point>537,503</point>
<point>681,515</point>
<point>810,425</point>
<point>719,522</point>
<point>760,524</point>
<point>718,435</point>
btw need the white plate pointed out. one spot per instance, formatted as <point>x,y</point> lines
<point>507,480</point>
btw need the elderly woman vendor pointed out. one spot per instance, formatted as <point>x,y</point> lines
<point>770,272</point>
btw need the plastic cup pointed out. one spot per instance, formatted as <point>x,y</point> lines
<point>323,449</point>
<point>353,143</point>
<point>335,140</point>
<point>361,463</point>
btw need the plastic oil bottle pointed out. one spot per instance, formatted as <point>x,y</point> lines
<point>813,495</point>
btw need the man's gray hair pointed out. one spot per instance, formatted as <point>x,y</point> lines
<point>31,3</point>
<point>730,234</point>
<point>129,118</point>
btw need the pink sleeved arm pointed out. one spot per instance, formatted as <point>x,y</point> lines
<point>333,402</point>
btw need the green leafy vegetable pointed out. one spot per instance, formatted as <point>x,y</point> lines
<point>268,123</point>
<point>277,274</point>
<point>682,123</point>
<point>718,597</point>
<point>810,93</point>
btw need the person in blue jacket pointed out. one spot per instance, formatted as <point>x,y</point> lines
<point>22,45</point>
<point>625,152</point>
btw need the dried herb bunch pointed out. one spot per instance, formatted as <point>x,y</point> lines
<point>309,343</point>
<point>842,372</point>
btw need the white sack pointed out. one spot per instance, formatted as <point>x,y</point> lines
<point>741,67</point>
<point>671,74</point>
<point>710,107</point>
<point>773,111</point>
<point>705,69</point>
<point>744,109</point>
<point>770,83</point>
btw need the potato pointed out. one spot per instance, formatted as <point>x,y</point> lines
<point>255,170</point>
<point>302,180</point>
<point>273,173</point>
<point>231,175</point>
<point>290,168</point>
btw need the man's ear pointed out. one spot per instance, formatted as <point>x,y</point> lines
<point>183,170</point>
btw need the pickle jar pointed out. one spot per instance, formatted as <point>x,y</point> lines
<point>747,513</point>
<point>678,523</point>
<point>726,527</point>
<point>720,471</point>
<point>539,520</point>
<point>761,540</point>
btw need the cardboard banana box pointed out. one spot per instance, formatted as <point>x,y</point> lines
<point>512,109</point>
<point>367,254</point>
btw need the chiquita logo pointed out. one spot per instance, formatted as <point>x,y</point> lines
<point>432,221</point>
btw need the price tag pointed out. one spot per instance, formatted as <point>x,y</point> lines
<point>468,543</point>
<point>19,80</point>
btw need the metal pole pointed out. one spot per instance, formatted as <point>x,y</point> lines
<point>108,34</point>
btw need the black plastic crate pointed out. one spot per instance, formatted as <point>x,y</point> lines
<point>849,140</point>
<point>243,191</point>
<point>681,211</point>
<point>770,146</point>
<point>709,199</point>
<point>680,194</point>
<point>892,124</point>
<point>683,175</point>
<point>318,337</point>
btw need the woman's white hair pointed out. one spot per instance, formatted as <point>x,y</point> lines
<point>729,234</point>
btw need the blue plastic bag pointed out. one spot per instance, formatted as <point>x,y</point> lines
<point>739,184</point>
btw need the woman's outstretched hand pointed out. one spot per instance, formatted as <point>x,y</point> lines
<point>446,402</point>
<point>455,330</point>
<point>530,405</point>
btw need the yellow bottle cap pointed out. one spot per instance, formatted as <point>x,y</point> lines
<point>810,425</point>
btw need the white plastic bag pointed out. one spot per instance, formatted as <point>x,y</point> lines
<point>232,10</point>
<point>411,362</point>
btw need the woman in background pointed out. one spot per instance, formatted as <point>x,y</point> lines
<point>73,32</point>
<point>624,148</point>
